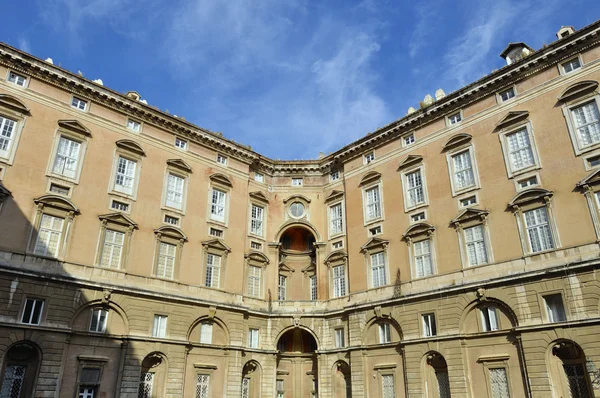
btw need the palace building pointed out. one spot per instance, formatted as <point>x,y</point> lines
<point>451,253</point>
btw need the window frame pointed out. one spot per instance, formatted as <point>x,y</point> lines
<point>497,364</point>
<point>405,136</point>
<point>448,118</point>
<point>536,227</point>
<point>104,326</point>
<point>173,236</point>
<point>181,140</point>
<point>83,143</point>
<point>519,208</point>
<point>263,217</point>
<point>212,284</point>
<point>19,118</point>
<point>432,324</point>
<point>405,186</point>
<point>41,311</point>
<point>342,231</point>
<point>297,182</point>
<point>254,334</point>
<point>485,315</point>
<point>450,155</point>
<point>339,337</point>
<point>87,104</point>
<point>384,266</point>
<point>343,284</point>
<point>543,302</point>
<point>384,332</point>
<point>24,77</point>
<point>567,109</point>
<point>334,175</point>
<point>221,159</point>
<point>160,317</point>
<point>131,157</point>
<point>517,181</point>
<point>369,157</point>
<point>499,94</point>
<point>413,258</point>
<point>561,65</point>
<point>170,171</point>
<point>210,326</point>
<point>139,124</point>
<point>503,136</point>
<point>259,177</point>
<point>365,189</point>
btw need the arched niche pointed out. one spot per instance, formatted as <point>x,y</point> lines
<point>116,320</point>
<point>297,340</point>
<point>375,327</point>
<point>341,382</point>
<point>153,375</point>
<point>20,368</point>
<point>435,376</point>
<point>479,316</point>
<point>220,333</point>
<point>297,365</point>
<point>568,371</point>
<point>251,379</point>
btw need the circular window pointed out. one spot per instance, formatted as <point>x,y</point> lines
<point>297,209</point>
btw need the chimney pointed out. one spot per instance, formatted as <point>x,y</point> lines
<point>565,31</point>
<point>515,52</point>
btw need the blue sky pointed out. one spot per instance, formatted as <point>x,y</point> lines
<point>289,78</point>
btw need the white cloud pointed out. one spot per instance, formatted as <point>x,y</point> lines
<point>24,45</point>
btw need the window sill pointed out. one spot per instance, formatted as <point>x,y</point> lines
<point>419,206</point>
<point>122,195</point>
<point>465,190</point>
<point>257,237</point>
<point>587,149</point>
<point>517,173</point>
<point>173,209</point>
<point>63,178</point>
<point>337,236</point>
<point>217,223</point>
<point>373,221</point>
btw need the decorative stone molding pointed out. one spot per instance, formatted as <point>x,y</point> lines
<point>457,140</point>
<point>512,118</point>
<point>180,164</point>
<point>131,146</point>
<point>13,103</point>
<point>578,89</point>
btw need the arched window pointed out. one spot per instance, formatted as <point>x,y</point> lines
<point>20,370</point>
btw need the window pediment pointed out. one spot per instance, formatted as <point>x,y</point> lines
<point>336,257</point>
<point>468,215</point>
<point>309,268</point>
<point>374,243</point>
<point>334,195</point>
<point>258,258</point>
<point>171,232</point>
<point>56,202</point>
<point>456,140</point>
<point>259,196</point>
<point>216,244</point>
<point>578,88</point>
<point>13,103</point>
<point>131,146</point>
<point>512,117</point>
<point>369,178</point>
<point>222,179</point>
<point>75,126</point>
<point>119,218</point>
<point>285,268</point>
<point>591,179</point>
<point>410,160</point>
<point>416,230</point>
<point>530,195</point>
<point>297,196</point>
<point>180,164</point>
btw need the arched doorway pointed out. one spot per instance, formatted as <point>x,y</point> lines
<point>297,373</point>
<point>437,384</point>
<point>568,369</point>
<point>297,265</point>
<point>341,382</point>
<point>20,370</point>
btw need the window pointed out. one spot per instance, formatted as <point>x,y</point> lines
<point>297,209</point>
<point>98,321</point>
<point>593,161</point>
<point>280,389</point>
<point>462,171</point>
<point>216,232</point>
<point>133,125</point>
<point>337,245</point>
<point>12,383</point>
<point>59,189</point>
<point>454,118</point>
<point>339,281</point>
<point>281,287</point>
<point>489,318</point>
<point>527,182</point>
<point>175,185</point>
<point>217,207</point>
<point>507,94</point>
<point>206,330</point>
<point>538,230</point>
<point>297,182</point>
<point>119,206</point>
<point>159,329</point>
<point>429,327</point>
<point>520,152</point>
<point>221,159</point>
<point>476,247</point>
<point>79,104</point>
<point>254,276</point>
<point>555,309</point>
<point>256,221</point>
<point>49,239</point>
<point>389,390</point>
<point>32,312</point>
<point>313,287</point>
<point>202,385</point>
<point>17,79</point>
<point>259,177</point>
<point>417,217</point>
<point>213,270</point>
<point>369,157</point>
<point>339,338</point>
<point>7,136</point>
<point>181,144</point>
<point>413,189</point>
<point>422,258</point>
<point>499,383</point>
<point>89,382</point>
<point>586,119</point>
<point>146,385</point>
<point>378,274</point>
<point>334,176</point>
<point>112,249</point>
<point>571,65</point>
<point>408,139</point>
<point>253,338</point>
<point>67,157</point>
<point>336,219</point>
<point>373,200</point>
<point>125,175</point>
<point>171,220</point>
<point>255,245</point>
<point>384,333</point>
<point>166,260</point>
<point>245,387</point>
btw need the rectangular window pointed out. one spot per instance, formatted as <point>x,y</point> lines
<point>119,206</point>
<point>337,245</point>
<point>336,219</point>
<point>384,333</point>
<point>475,242</point>
<point>417,217</point>
<point>7,135</point>
<point>181,144</point>
<point>256,221</point>
<point>389,390</point>
<point>499,383</point>
<point>259,177</point>
<point>217,207</point>
<point>133,125</point>
<point>32,313</point>
<point>17,79</point>
<point>571,65</point>
<point>470,201</point>
<point>206,330</point>
<point>202,386</point>
<point>67,157</point>
<point>216,232</point>
<point>507,94</point>
<point>14,376</point>
<point>538,230</point>
<point>175,185</point>
<point>339,281</point>
<point>89,381</point>
<point>520,153</point>
<point>280,389</point>
<point>254,276</point>
<point>78,103</point>
<point>49,239</point>
<point>125,175</point>
<point>313,287</point>
<point>213,270</point>
<point>586,118</point>
<point>422,258</point>
<point>98,321</point>
<point>334,176</point>
<point>429,327</point>
<point>255,246</point>
<point>369,157</point>
<point>112,249</point>
<point>415,194</point>
<point>489,319</point>
<point>339,338</point>
<point>528,182</point>
<point>593,161</point>
<point>166,260</point>
<point>159,329</point>
<point>253,338</point>
<point>373,203</point>
<point>555,308</point>
<point>454,118</point>
<point>171,220</point>
<point>297,182</point>
<point>146,385</point>
<point>59,189</point>
<point>375,230</point>
<point>281,288</point>
<point>462,166</point>
<point>408,139</point>
<point>246,387</point>
<point>221,159</point>
<point>378,269</point>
